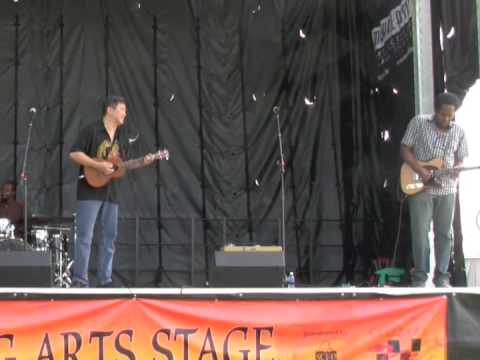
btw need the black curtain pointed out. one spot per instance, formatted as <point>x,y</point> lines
<point>201,78</point>
<point>455,45</point>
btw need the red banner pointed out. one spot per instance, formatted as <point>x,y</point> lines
<point>224,329</point>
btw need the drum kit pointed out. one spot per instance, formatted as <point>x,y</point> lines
<point>45,236</point>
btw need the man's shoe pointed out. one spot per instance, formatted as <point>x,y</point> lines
<point>78,284</point>
<point>419,284</point>
<point>107,285</point>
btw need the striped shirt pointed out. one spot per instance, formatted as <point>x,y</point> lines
<point>429,142</point>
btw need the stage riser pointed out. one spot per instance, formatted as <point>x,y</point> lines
<point>25,269</point>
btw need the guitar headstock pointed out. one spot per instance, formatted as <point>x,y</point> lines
<point>162,155</point>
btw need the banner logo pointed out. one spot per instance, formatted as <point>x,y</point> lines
<point>392,38</point>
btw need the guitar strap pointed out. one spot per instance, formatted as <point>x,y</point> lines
<point>447,146</point>
<point>108,151</point>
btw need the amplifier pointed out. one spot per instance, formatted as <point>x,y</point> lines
<point>259,268</point>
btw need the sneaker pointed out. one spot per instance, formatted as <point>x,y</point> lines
<point>108,284</point>
<point>78,284</point>
<point>419,284</point>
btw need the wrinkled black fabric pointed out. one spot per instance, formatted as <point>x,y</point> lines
<point>393,101</point>
<point>456,24</point>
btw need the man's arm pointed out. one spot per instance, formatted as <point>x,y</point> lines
<point>461,153</point>
<point>407,155</point>
<point>83,159</point>
<point>457,168</point>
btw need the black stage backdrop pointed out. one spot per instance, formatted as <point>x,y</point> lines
<point>201,78</point>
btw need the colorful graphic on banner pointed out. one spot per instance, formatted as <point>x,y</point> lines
<point>224,330</point>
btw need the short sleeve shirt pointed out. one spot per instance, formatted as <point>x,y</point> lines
<point>429,142</point>
<point>95,142</point>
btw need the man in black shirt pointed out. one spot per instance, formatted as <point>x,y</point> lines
<point>96,144</point>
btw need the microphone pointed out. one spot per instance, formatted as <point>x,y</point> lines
<point>276,109</point>
<point>33,112</point>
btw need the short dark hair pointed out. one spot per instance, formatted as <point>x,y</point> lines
<point>446,98</point>
<point>10,182</point>
<point>112,101</point>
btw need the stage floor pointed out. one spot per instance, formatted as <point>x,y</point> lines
<point>300,292</point>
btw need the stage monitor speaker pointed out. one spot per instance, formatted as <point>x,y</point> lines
<point>25,269</point>
<point>259,268</point>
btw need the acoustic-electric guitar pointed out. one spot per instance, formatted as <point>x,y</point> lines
<point>411,183</point>
<point>98,179</point>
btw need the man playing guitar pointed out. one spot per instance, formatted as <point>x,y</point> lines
<point>434,137</point>
<point>95,145</point>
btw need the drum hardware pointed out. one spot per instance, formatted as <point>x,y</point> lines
<point>67,275</point>
<point>4,222</point>
<point>40,239</point>
<point>60,259</point>
<point>7,230</point>
<point>55,240</point>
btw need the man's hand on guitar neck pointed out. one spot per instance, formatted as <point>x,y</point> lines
<point>148,159</point>
<point>457,168</point>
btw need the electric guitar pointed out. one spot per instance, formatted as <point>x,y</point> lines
<point>98,179</point>
<point>411,183</point>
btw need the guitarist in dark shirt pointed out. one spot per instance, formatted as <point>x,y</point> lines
<point>95,145</point>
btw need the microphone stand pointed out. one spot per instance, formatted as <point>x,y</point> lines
<point>133,180</point>
<point>24,177</point>
<point>276,111</point>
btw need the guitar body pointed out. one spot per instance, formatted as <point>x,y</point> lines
<point>410,182</point>
<point>97,179</point>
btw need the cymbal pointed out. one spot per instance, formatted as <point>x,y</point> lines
<point>52,227</point>
<point>43,219</point>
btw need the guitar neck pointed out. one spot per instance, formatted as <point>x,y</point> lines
<point>448,171</point>
<point>140,162</point>
<point>132,164</point>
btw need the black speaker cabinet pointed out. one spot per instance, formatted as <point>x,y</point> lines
<point>25,269</point>
<point>248,269</point>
